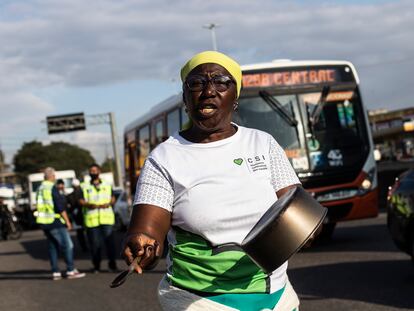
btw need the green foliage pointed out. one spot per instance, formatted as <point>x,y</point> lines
<point>33,157</point>
<point>108,165</point>
<point>2,161</point>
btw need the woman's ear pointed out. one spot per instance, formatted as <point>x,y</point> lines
<point>184,100</point>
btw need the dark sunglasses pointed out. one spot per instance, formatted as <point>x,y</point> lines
<point>220,83</point>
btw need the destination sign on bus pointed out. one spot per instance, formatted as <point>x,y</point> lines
<point>291,77</point>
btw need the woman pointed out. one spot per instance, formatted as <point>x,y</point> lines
<point>206,187</point>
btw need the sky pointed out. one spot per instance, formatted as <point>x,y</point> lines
<point>124,56</point>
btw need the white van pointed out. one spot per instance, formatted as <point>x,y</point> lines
<point>36,179</point>
<point>8,196</point>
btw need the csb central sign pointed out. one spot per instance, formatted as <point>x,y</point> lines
<point>66,123</point>
<point>291,77</point>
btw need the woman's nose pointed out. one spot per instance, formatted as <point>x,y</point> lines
<point>209,89</point>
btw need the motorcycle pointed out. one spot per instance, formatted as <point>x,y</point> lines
<point>10,226</point>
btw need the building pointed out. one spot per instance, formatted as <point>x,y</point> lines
<point>393,133</point>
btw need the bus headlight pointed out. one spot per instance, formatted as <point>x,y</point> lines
<point>366,184</point>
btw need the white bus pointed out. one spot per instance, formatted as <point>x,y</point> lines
<point>34,181</point>
<point>313,109</point>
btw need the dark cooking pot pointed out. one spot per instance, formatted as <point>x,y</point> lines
<point>285,227</point>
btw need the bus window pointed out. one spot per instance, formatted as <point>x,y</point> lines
<point>131,164</point>
<point>173,122</point>
<point>144,144</point>
<point>184,117</point>
<point>159,132</point>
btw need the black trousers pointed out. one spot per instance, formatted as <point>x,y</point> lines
<point>97,237</point>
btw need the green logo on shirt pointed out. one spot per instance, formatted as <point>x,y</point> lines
<point>238,161</point>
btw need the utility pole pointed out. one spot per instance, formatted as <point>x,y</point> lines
<point>212,27</point>
<point>118,176</point>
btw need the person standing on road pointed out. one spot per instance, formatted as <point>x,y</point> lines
<point>52,218</point>
<point>99,218</point>
<point>207,186</point>
<point>75,209</point>
<point>60,186</point>
<point>2,234</point>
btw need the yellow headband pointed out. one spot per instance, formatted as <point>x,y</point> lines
<point>215,58</point>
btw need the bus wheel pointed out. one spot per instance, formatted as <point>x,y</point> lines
<point>327,231</point>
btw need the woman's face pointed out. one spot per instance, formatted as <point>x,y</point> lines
<point>210,107</point>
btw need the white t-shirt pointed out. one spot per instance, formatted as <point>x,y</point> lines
<point>217,190</point>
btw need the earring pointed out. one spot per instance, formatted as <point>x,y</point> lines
<point>235,106</point>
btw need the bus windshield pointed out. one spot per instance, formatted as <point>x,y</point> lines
<point>336,141</point>
<point>338,138</point>
<point>256,112</point>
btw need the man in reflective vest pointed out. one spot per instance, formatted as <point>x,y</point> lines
<point>99,218</point>
<point>53,219</point>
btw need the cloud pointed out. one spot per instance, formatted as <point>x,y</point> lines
<point>76,43</point>
<point>21,114</point>
<point>19,109</point>
<point>80,44</point>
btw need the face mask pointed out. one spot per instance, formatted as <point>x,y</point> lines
<point>94,176</point>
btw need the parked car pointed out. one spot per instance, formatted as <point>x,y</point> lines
<point>400,212</point>
<point>122,210</point>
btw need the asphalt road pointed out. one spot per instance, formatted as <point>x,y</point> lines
<point>360,269</point>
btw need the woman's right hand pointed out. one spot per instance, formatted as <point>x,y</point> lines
<point>141,245</point>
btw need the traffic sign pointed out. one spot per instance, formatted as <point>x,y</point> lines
<point>66,123</point>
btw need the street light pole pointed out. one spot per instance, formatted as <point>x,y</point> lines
<point>212,27</point>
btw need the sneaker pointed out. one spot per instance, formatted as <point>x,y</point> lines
<point>95,270</point>
<point>74,274</point>
<point>56,276</point>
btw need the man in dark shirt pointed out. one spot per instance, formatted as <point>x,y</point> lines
<point>75,209</point>
<point>53,219</point>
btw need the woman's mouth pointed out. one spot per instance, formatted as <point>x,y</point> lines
<point>207,110</point>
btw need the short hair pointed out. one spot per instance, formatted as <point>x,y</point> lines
<point>60,182</point>
<point>49,172</point>
<point>95,165</point>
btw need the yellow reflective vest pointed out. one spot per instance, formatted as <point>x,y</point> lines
<point>44,203</point>
<point>98,196</point>
<point>401,203</point>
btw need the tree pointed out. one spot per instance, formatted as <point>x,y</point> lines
<point>108,165</point>
<point>2,161</point>
<point>33,157</point>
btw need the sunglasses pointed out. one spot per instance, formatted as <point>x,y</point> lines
<point>221,83</point>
